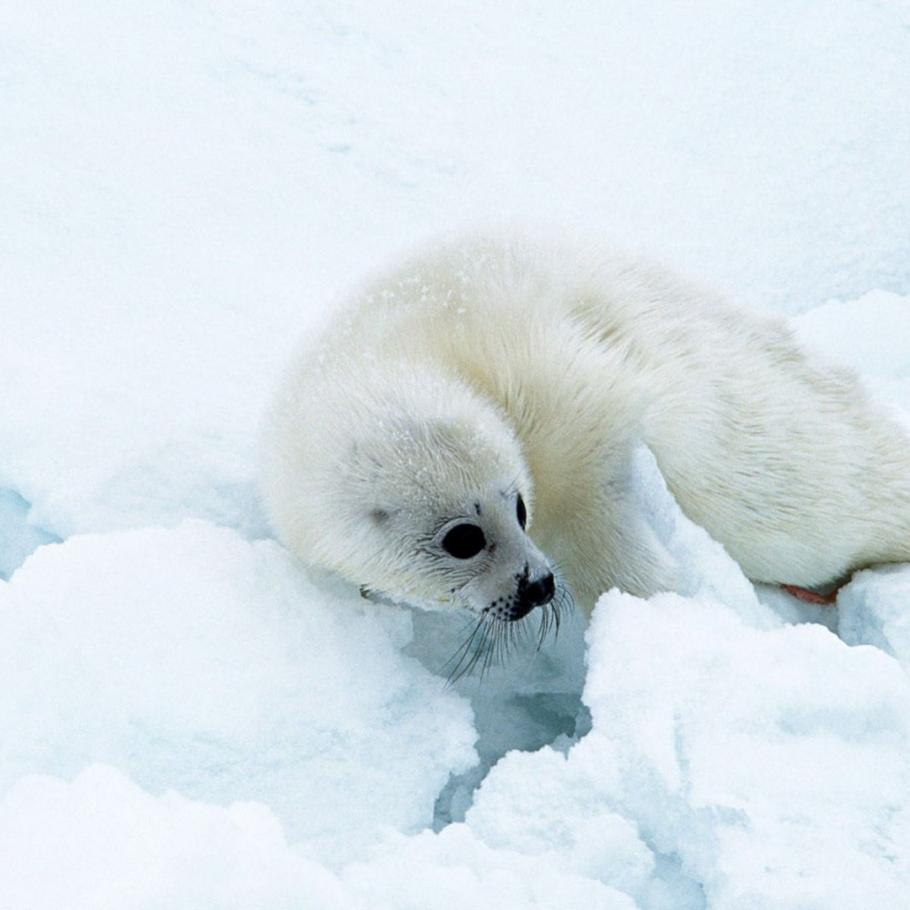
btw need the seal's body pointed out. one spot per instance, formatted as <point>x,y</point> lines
<point>485,382</point>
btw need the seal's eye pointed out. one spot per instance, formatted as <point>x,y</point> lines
<point>521,512</point>
<point>464,541</point>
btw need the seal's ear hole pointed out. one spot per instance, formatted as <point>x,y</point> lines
<point>379,516</point>
<point>521,513</point>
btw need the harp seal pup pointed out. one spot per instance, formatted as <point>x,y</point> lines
<point>467,423</point>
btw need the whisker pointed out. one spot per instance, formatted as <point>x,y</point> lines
<point>460,668</point>
<point>492,642</point>
<point>503,635</point>
<point>483,648</point>
<point>516,632</point>
<point>467,642</point>
<point>543,627</point>
<point>490,651</point>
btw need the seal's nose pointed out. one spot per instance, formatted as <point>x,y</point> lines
<point>533,594</point>
<point>540,592</point>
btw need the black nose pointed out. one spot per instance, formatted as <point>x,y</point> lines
<point>532,594</point>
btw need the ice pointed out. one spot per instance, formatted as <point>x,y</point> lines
<point>194,660</point>
<point>173,852</point>
<point>102,843</point>
<point>18,538</point>
<point>188,718</point>
<point>873,611</point>
<point>455,869</point>
<point>540,804</point>
<point>701,566</point>
<point>869,335</point>
<point>766,767</point>
<point>773,762</point>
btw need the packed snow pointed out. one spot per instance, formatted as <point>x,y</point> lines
<point>192,719</point>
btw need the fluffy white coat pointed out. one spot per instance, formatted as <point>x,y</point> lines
<point>485,362</point>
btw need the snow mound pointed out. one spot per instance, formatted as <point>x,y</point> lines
<point>455,869</point>
<point>102,843</point>
<point>762,767</point>
<point>194,660</point>
<point>873,611</point>
<point>18,538</point>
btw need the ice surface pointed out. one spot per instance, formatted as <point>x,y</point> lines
<point>171,852</point>
<point>455,869</point>
<point>102,843</point>
<point>187,719</point>
<point>18,538</point>
<point>873,611</point>
<point>773,762</point>
<point>872,336</point>
<point>869,334</point>
<point>194,660</point>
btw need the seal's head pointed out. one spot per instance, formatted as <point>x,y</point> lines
<point>412,487</point>
<point>447,518</point>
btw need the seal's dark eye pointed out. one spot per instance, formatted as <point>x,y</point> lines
<point>521,511</point>
<point>464,541</point>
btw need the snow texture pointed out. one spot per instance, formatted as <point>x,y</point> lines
<point>188,717</point>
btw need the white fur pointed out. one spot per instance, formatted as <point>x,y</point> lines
<point>484,366</point>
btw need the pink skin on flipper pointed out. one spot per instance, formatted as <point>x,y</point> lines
<point>811,597</point>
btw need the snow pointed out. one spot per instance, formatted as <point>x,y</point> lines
<point>870,335</point>
<point>18,538</point>
<point>869,612</point>
<point>189,717</point>
<point>102,842</point>
<point>193,659</point>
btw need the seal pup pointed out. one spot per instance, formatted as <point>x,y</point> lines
<point>466,424</point>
